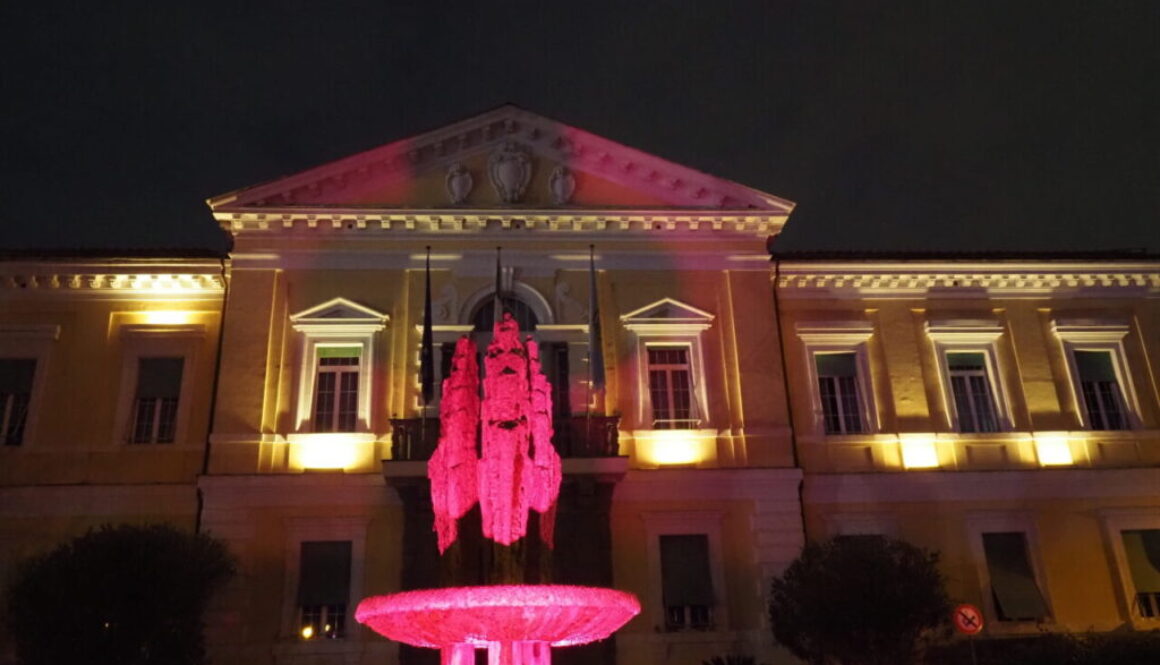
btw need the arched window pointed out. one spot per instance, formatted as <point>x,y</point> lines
<point>520,311</point>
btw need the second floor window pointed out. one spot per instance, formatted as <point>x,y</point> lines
<point>15,394</point>
<point>336,389</point>
<point>1103,401</point>
<point>838,390</point>
<point>156,399</point>
<point>971,389</point>
<point>670,387</point>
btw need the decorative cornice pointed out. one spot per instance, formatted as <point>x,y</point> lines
<point>954,279</point>
<point>169,280</point>
<point>451,221</point>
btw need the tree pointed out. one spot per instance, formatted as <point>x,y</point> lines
<point>131,595</point>
<point>859,601</point>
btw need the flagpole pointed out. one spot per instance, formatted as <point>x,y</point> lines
<point>497,297</point>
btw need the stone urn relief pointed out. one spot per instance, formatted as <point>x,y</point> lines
<point>510,170</point>
<point>459,183</point>
<point>562,184</point>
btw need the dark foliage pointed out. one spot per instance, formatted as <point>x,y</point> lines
<point>127,595</point>
<point>1127,648</point>
<point>859,601</point>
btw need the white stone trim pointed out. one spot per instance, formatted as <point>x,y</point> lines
<point>1097,335</point>
<point>357,327</point>
<point>840,337</point>
<point>857,279</point>
<point>167,279</point>
<point>970,336</point>
<point>683,327</point>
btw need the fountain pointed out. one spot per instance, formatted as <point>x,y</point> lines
<point>518,471</point>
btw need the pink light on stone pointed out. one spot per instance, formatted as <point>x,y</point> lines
<point>517,624</point>
<point>519,469</point>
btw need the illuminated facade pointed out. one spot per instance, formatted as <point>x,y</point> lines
<point>1004,412</point>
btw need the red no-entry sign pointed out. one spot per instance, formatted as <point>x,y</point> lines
<point>968,619</point>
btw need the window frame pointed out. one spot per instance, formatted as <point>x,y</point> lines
<point>1114,521</point>
<point>1098,336</point>
<point>970,336</point>
<point>695,420</point>
<point>669,323</point>
<point>158,408</point>
<point>303,529</point>
<point>336,323</point>
<point>979,523</point>
<point>676,523</point>
<point>833,337</point>
<point>31,342</point>
<point>157,341</point>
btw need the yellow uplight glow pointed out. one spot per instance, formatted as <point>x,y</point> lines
<point>326,451</point>
<point>918,452</point>
<point>307,632</point>
<point>167,317</point>
<point>1053,449</point>
<point>673,447</point>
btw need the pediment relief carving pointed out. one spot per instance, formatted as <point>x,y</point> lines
<point>551,165</point>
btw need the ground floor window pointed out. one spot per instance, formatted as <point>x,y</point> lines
<point>1013,585</point>
<point>323,589</point>
<point>687,583</point>
<point>1142,548</point>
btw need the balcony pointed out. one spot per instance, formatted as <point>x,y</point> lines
<point>414,439</point>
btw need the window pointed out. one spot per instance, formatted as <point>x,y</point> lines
<point>1014,590</point>
<point>668,365</point>
<point>971,389</point>
<point>337,356</point>
<point>968,353</point>
<point>1098,368</point>
<point>323,589</point>
<point>336,389</point>
<point>16,375</point>
<point>687,585</point>
<point>155,400</point>
<point>1142,550</point>
<point>1103,403</point>
<point>838,390</point>
<point>670,387</point>
<point>836,356</point>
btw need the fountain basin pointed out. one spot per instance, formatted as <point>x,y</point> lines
<point>482,616</point>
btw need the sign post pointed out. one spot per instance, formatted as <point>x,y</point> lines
<point>968,620</point>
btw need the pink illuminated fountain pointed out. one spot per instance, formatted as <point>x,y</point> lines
<point>518,471</point>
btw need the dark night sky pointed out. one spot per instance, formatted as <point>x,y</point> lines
<point>949,125</point>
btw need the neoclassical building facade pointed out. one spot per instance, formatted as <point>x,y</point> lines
<point>1003,411</point>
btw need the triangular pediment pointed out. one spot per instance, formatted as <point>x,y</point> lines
<point>505,158</point>
<point>339,310</point>
<point>667,311</point>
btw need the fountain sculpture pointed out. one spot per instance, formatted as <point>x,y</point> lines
<point>517,472</point>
